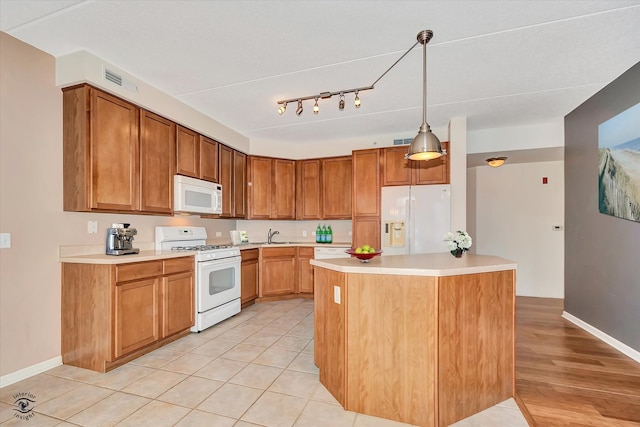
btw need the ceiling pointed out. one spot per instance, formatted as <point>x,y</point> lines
<point>498,63</point>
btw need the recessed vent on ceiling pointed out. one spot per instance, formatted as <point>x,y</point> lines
<point>405,141</point>
<point>117,79</point>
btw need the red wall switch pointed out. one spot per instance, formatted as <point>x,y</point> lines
<point>545,180</point>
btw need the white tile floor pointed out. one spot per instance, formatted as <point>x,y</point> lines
<point>255,369</point>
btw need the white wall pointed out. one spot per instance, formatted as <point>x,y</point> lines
<point>515,214</point>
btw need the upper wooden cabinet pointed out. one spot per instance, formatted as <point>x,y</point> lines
<point>366,183</point>
<point>396,170</point>
<point>271,188</point>
<point>239,184</point>
<point>336,185</point>
<point>196,155</point>
<point>157,148</point>
<point>101,169</point>
<point>225,157</point>
<point>308,189</point>
<point>208,159</point>
<point>187,152</point>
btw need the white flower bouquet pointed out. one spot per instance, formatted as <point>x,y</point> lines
<point>458,242</point>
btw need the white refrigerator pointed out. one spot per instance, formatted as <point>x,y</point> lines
<point>415,219</point>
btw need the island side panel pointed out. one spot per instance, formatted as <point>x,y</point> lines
<point>476,343</point>
<point>391,347</point>
<point>329,331</point>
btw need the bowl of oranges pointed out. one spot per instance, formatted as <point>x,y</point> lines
<point>364,253</point>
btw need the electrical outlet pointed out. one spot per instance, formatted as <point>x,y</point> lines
<point>218,233</point>
<point>304,233</point>
<point>92,227</point>
<point>556,227</point>
<point>5,240</point>
<point>336,294</point>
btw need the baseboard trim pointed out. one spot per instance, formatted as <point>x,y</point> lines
<point>623,348</point>
<point>29,371</point>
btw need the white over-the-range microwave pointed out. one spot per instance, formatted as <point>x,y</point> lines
<point>196,196</point>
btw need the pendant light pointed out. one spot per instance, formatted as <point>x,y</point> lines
<point>425,145</point>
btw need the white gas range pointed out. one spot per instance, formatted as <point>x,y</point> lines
<point>217,273</point>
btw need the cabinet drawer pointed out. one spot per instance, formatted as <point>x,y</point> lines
<point>304,251</point>
<point>249,254</point>
<point>278,252</point>
<point>133,271</point>
<point>176,265</point>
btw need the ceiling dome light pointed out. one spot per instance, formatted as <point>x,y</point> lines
<point>299,109</point>
<point>425,145</point>
<point>341,103</point>
<point>496,162</point>
<point>357,101</point>
<point>315,107</point>
<point>282,108</point>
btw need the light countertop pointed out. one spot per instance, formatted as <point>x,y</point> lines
<point>94,254</point>
<point>150,255</point>
<point>435,264</point>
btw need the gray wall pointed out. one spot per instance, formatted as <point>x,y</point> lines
<point>602,252</point>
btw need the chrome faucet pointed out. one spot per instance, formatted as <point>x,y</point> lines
<point>270,235</point>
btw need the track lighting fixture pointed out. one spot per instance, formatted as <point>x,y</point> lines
<point>325,95</point>
<point>315,107</point>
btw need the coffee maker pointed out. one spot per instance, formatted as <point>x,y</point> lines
<point>120,240</point>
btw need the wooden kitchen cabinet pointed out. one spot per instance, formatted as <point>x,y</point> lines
<point>225,158</point>
<point>178,300</point>
<point>187,152</point>
<point>271,188</point>
<point>208,159</point>
<point>239,195</point>
<point>365,231</point>
<point>136,315</point>
<point>396,170</point>
<point>366,183</point>
<point>305,270</point>
<point>308,189</point>
<point>249,276</point>
<point>101,169</point>
<point>277,271</point>
<point>112,314</point>
<point>157,162</point>
<point>336,185</point>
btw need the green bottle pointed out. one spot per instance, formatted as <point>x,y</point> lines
<point>318,234</point>
<point>329,234</point>
<point>323,235</point>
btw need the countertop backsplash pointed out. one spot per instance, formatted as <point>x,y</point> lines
<point>293,231</point>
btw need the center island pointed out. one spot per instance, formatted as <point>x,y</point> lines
<point>425,339</point>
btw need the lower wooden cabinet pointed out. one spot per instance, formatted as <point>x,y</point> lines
<point>177,303</point>
<point>136,316</point>
<point>305,270</point>
<point>249,276</point>
<point>277,271</point>
<point>114,313</point>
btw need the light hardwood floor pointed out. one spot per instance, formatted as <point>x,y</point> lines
<point>567,377</point>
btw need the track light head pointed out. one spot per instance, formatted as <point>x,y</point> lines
<point>357,100</point>
<point>316,108</point>
<point>299,109</point>
<point>282,108</point>
<point>341,103</point>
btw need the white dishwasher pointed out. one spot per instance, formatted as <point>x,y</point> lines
<point>328,252</point>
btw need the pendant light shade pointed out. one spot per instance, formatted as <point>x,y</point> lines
<point>425,146</point>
